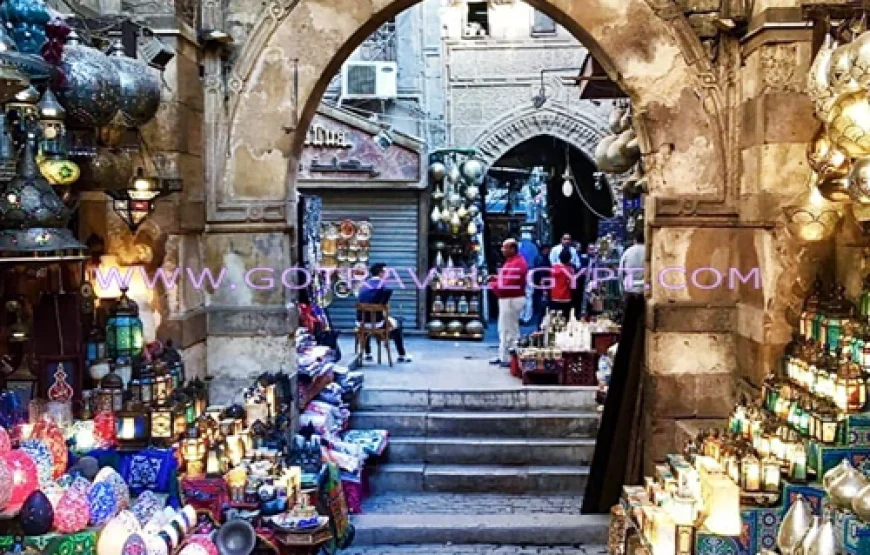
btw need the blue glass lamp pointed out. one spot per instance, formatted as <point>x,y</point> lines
<point>124,336</point>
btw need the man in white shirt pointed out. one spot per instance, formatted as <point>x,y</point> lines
<point>632,266</point>
<point>565,244</point>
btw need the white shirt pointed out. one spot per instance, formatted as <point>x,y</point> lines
<point>632,270</point>
<point>557,250</point>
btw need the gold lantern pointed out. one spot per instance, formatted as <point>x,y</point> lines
<point>193,450</point>
<point>162,424</point>
<point>770,474</point>
<point>849,129</point>
<point>850,386</point>
<point>751,475</point>
<point>110,395</point>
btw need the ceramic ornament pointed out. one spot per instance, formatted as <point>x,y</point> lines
<point>36,516</point>
<point>41,455</point>
<point>146,506</point>
<point>72,513</point>
<point>122,492</point>
<point>102,503</point>
<point>25,475</point>
<point>5,442</point>
<point>135,545</point>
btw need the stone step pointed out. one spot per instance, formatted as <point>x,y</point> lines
<point>516,424</point>
<point>501,451</point>
<point>532,529</point>
<point>525,398</point>
<point>478,478</point>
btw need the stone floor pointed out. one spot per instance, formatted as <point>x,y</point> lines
<point>474,549</point>
<point>482,504</point>
<point>438,364</point>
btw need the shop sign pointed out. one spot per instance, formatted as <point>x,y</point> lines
<point>319,136</point>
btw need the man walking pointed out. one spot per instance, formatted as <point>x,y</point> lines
<point>510,288</point>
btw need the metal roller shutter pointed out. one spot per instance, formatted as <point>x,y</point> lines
<point>394,216</point>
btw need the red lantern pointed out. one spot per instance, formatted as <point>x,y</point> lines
<point>5,442</point>
<point>25,477</point>
<point>104,429</point>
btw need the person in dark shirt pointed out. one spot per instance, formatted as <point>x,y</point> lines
<point>375,291</point>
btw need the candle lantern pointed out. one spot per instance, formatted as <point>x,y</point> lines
<point>770,472</point>
<point>136,390</point>
<point>176,370</point>
<point>235,449</point>
<point>193,450</point>
<point>751,473</point>
<point>124,335</point>
<point>179,417</point>
<point>850,386</point>
<point>811,309</point>
<point>134,426</point>
<point>110,395</point>
<point>798,462</point>
<point>104,429</point>
<point>124,369</point>
<point>764,445</point>
<point>162,388</point>
<point>95,347</point>
<point>162,424</point>
<point>200,396</point>
<point>216,461</point>
<point>864,303</point>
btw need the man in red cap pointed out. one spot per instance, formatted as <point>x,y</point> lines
<point>510,288</point>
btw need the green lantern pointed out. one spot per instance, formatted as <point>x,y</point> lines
<point>124,337</point>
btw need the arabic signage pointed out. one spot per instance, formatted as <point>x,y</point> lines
<point>344,149</point>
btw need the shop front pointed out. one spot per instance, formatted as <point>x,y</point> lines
<point>371,186</point>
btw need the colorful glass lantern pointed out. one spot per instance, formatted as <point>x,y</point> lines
<point>25,476</point>
<point>134,426</point>
<point>835,323</point>
<point>850,385</point>
<point>110,396</point>
<point>95,346</point>
<point>124,334</point>
<point>84,436</point>
<point>105,429</point>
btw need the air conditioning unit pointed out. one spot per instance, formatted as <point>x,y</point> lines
<point>369,81</point>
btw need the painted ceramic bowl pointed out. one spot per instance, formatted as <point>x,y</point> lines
<point>102,503</point>
<point>122,492</point>
<point>39,452</point>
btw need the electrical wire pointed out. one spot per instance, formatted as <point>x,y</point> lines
<point>583,199</point>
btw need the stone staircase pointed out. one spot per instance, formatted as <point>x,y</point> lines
<point>531,442</point>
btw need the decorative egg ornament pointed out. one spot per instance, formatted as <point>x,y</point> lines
<point>36,516</point>
<point>53,438</point>
<point>5,442</point>
<point>41,455</point>
<point>25,476</point>
<point>146,506</point>
<point>102,503</point>
<point>114,536</point>
<point>155,545</point>
<point>72,513</point>
<point>122,491</point>
<point>5,483</point>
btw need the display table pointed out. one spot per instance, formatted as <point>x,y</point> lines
<point>308,543</point>
<point>571,368</point>
<point>81,543</point>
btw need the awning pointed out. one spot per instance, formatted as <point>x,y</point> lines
<point>594,82</point>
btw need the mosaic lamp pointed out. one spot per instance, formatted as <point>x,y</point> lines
<point>124,333</point>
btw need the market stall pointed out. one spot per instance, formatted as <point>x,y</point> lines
<point>789,470</point>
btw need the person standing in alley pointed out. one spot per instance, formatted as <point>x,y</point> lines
<point>566,244</point>
<point>509,286</point>
<point>631,266</point>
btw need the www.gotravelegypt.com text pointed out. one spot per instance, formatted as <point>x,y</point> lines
<point>266,278</point>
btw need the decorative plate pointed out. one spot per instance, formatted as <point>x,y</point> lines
<point>364,231</point>
<point>347,229</point>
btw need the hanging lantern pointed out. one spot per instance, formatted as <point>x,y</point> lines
<point>851,388</point>
<point>136,203</point>
<point>140,88</point>
<point>22,110</point>
<point>92,92</point>
<point>124,329</point>
<point>849,129</point>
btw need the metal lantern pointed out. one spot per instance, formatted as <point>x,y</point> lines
<point>140,88</point>
<point>135,203</point>
<point>162,424</point>
<point>92,92</point>
<point>22,381</point>
<point>811,309</point>
<point>134,426</point>
<point>124,335</point>
<point>110,395</point>
<point>193,451</point>
<point>850,387</point>
<point>95,346</point>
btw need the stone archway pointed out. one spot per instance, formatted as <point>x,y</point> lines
<point>257,114</point>
<point>578,129</point>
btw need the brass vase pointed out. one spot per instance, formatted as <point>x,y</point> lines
<point>794,526</point>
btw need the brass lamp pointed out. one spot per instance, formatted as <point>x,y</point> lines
<point>193,450</point>
<point>110,395</point>
<point>162,424</point>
